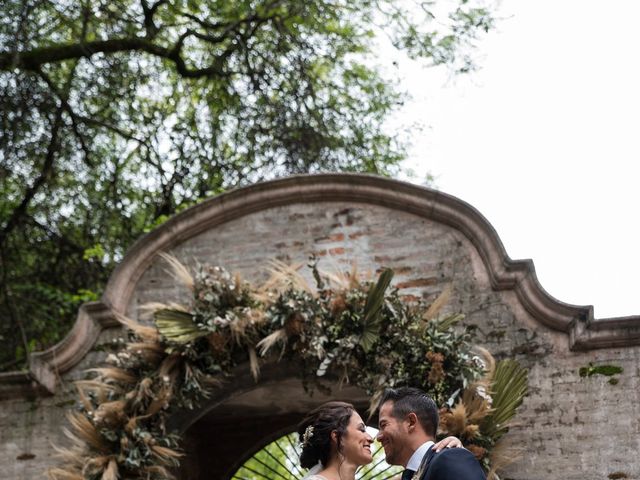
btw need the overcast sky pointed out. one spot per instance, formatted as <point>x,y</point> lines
<point>544,142</point>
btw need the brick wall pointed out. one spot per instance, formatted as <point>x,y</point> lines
<point>569,427</point>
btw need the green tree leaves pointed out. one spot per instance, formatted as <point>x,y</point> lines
<point>114,115</point>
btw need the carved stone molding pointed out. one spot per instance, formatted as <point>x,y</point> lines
<point>577,322</point>
<point>45,367</point>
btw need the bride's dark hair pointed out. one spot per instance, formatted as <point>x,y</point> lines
<point>315,431</point>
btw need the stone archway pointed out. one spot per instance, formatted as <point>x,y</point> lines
<point>245,415</point>
<point>431,240</point>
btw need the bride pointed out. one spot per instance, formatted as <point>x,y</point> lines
<point>335,442</point>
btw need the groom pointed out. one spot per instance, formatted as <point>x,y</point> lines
<point>408,421</point>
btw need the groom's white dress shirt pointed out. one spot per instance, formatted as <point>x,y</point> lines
<point>416,459</point>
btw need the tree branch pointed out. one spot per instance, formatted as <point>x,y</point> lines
<point>149,11</point>
<point>45,172</point>
<point>33,59</point>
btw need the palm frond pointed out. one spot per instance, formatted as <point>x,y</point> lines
<point>177,326</point>
<point>372,308</point>
<point>508,389</point>
<point>178,270</point>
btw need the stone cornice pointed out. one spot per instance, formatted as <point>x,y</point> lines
<point>584,332</point>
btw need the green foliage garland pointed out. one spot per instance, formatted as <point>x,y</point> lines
<point>360,333</point>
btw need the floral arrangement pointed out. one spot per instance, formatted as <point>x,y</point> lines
<point>362,333</point>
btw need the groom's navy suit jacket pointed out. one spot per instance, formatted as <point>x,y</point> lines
<point>451,464</point>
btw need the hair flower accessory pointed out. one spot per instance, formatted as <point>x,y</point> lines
<point>307,435</point>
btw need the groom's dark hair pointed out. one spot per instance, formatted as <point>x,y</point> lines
<point>407,400</point>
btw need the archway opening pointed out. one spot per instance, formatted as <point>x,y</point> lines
<point>245,417</point>
<point>279,461</point>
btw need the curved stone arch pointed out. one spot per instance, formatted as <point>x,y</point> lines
<point>577,322</point>
<point>273,406</point>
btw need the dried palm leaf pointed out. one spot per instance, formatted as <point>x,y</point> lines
<point>489,363</point>
<point>141,347</point>
<point>96,465</point>
<point>478,409</point>
<point>138,397</point>
<point>477,404</point>
<point>239,327</point>
<point>178,270</point>
<point>72,457</point>
<point>373,306</point>
<point>100,389</point>
<point>115,374</point>
<point>177,326</point>
<point>470,431</point>
<point>281,277</point>
<point>86,403</point>
<point>447,322</point>
<point>85,431</point>
<point>150,352</point>
<point>438,304</point>
<point>145,332</point>
<point>272,339</point>
<point>169,367</point>
<point>64,474</point>
<point>375,399</point>
<point>253,363</point>
<point>159,402</point>
<point>132,423</point>
<point>454,422</point>
<point>111,472</point>
<point>502,454</point>
<point>166,455</point>
<point>148,309</point>
<point>340,279</point>
<point>111,413</point>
